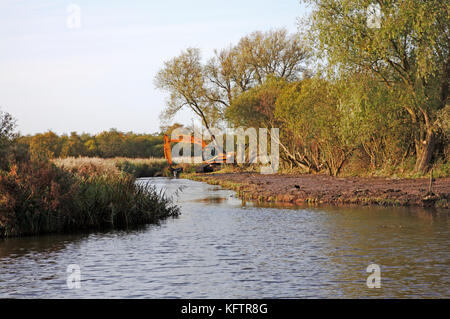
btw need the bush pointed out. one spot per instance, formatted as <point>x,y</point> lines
<point>38,197</point>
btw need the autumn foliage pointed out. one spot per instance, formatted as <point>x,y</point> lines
<point>37,196</point>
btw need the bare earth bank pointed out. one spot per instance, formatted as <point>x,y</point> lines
<point>323,189</point>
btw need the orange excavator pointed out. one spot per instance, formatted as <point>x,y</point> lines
<point>217,156</point>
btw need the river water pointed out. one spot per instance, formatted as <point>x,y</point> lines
<point>221,247</point>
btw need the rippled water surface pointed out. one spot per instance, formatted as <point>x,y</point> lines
<point>222,248</point>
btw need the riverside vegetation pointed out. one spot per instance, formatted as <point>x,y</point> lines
<point>348,98</point>
<point>137,167</point>
<point>37,196</point>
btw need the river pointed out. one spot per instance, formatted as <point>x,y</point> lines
<point>221,247</point>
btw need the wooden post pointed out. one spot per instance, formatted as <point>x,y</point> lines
<point>430,189</point>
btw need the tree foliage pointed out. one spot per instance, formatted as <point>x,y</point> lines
<point>208,89</point>
<point>7,125</point>
<point>107,144</point>
<point>409,52</point>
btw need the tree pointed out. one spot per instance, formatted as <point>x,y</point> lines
<point>409,52</point>
<point>168,129</point>
<point>183,77</point>
<point>111,143</point>
<point>92,147</point>
<point>256,107</point>
<point>229,74</point>
<point>384,130</point>
<point>46,145</point>
<point>73,146</point>
<point>261,54</point>
<point>318,127</point>
<point>209,89</point>
<point>7,125</point>
<point>297,139</point>
<point>274,53</point>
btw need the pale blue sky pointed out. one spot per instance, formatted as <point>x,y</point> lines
<point>100,76</point>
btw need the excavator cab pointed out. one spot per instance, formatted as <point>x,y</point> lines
<point>212,155</point>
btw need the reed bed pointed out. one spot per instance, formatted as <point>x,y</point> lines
<point>138,167</point>
<point>39,197</point>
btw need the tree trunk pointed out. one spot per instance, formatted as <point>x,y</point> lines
<point>425,153</point>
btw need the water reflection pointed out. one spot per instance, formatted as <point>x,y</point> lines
<point>220,248</point>
<point>45,245</point>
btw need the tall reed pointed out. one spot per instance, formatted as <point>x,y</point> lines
<point>138,167</point>
<point>38,197</point>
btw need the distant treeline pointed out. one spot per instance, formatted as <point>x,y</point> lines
<point>107,144</point>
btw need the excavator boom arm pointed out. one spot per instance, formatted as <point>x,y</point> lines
<point>181,139</point>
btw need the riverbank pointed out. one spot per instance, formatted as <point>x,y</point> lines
<point>38,197</point>
<point>323,189</point>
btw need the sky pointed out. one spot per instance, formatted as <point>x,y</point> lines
<point>89,65</point>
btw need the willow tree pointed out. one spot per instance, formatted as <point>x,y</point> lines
<point>274,52</point>
<point>184,78</point>
<point>208,89</point>
<point>408,49</point>
<point>228,74</point>
<point>257,56</point>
